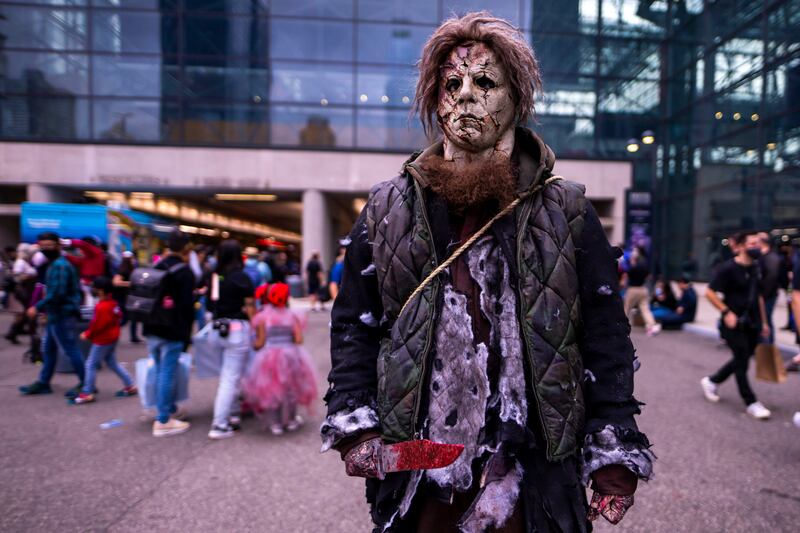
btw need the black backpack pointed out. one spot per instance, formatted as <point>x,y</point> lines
<point>148,294</point>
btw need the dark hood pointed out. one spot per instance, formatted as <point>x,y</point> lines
<point>531,155</point>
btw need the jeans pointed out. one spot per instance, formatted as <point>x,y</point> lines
<point>103,353</point>
<point>200,313</point>
<point>61,333</point>
<point>742,343</point>
<point>769,304</point>
<point>166,354</point>
<point>668,317</point>
<point>235,349</point>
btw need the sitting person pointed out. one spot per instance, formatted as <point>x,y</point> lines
<point>663,297</point>
<point>685,310</point>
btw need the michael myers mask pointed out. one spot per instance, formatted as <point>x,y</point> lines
<point>475,102</point>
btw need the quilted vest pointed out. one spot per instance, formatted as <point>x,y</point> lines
<point>548,226</point>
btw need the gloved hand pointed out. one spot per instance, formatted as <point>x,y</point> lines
<point>363,459</point>
<point>609,506</point>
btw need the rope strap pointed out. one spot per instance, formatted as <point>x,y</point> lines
<point>477,235</point>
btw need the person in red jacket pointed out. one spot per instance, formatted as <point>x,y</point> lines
<point>103,333</point>
<point>92,261</point>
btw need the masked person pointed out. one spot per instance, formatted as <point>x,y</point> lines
<point>743,320</point>
<point>510,341</point>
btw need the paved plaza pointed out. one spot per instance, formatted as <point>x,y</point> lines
<point>718,470</point>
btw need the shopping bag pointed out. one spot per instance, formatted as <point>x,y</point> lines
<point>769,364</point>
<point>207,356</point>
<point>146,376</point>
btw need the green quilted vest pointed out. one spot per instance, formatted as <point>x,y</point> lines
<point>549,224</point>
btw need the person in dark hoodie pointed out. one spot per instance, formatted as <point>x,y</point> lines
<point>479,306</point>
<point>167,342</point>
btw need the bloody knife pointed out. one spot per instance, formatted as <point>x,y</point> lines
<point>420,454</point>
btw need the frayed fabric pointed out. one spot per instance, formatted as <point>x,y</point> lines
<point>495,503</point>
<point>617,446</point>
<point>346,423</point>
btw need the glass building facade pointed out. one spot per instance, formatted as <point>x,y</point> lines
<point>717,82</point>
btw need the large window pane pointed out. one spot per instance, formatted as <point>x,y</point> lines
<point>629,58</point>
<point>571,136</point>
<point>135,121</point>
<point>226,124</point>
<point>45,73</point>
<point>230,83</point>
<point>391,43</point>
<point>313,8</point>
<point>311,126</point>
<point>206,35</point>
<point>54,29</point>
<point>44,118</point>
<point>312,83</point>
<point>133,32</point>
<point>311,40</point>
<point>142,76</point>
<point>389,129</point>
<point>386,86</point>
<point>424,11</point>
<point>563,57</point>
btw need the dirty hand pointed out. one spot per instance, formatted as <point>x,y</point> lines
<point>609,506</point>
<point>363,459</point>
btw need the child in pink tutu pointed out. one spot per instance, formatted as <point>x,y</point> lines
<point>282,375</point>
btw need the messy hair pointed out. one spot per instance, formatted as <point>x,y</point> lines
<point>504,39</point>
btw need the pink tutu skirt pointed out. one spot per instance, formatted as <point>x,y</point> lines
<point>280,374</point>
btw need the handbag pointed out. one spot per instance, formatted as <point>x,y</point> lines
<point>146,377</point>
<point>207,356</point>
<point>769,364</point>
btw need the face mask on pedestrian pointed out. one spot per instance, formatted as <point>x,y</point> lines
<point>754,253</point>
<point>51,255</point>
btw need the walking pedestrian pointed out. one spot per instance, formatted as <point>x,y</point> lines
<point>314,281</point>
<point>636,294</point>
<point>22,283</point>
<point>61,305</point>
<point>771,265</point>
<point>166,340</point>
<point>336,272</point>
<point>743,320</point>
<point>282,377</point>
<point>122,285</point>
<point>103,333</point>
<point>232,306</point>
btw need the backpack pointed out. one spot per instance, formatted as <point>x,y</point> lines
<point>148,298</point>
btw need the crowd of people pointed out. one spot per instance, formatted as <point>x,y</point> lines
<point>226,305</point>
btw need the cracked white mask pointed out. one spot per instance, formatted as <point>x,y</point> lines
<point>476,107</point>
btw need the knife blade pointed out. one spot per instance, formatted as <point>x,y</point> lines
<point>419,454</point>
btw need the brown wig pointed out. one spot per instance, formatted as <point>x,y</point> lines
<point>505,40</point>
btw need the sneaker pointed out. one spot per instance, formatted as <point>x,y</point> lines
<point>276,429</point>
<point>709,389</point>
<point>37,387</point>
<point>796,419</point>
<point>653,331</point>
<point>758,411</point>
<point>127,391</point>
<point>170,427</point>
<point>74,392</point>
<point>84,397</point>
<point>219,433</point>
<point>235,422</point>
<point>295,424</point>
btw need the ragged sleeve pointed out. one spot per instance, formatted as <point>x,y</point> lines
<point>612,436</point>
<point>355,340</point>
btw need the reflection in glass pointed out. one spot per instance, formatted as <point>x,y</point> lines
<point>311,40</point>
<point>419,11</point>
<point>120,75</point>
<point>131,31</point>
<point>313,8</point>
<point>134,121</point>
<point>226,124</point>
<point>389,129</point>
<point>229,83</point>
<point>208,35</point>
<point>310,126</point>
<point>44,73</point>
<point>391,43</point>
<point>41,28</point>
<point>44,118</point>
<point>386,86</point>
<point>312,83</point>
<point>506,9</point>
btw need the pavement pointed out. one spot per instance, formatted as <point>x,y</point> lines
<point>718,470</point>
